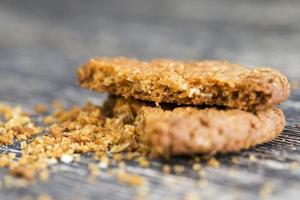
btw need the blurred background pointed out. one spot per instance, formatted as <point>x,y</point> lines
<point>49,39</point>
<point>43,42</point>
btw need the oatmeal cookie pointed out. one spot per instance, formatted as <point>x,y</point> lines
<point>192,83</point>
<point>167,131</point>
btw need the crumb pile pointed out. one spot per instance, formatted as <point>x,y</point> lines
<point>137,128</point>
<point>17,125</point>
<point>67,133</point>
<point>111,132</point>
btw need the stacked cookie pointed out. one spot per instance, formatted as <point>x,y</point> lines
<point>191,107</point>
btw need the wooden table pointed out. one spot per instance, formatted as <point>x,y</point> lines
<point>42,43</point>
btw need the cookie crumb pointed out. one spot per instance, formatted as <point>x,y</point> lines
<point>104,162</point>
<point>143,162</point>
<point>294,165</point>
<point>48,120</point>
<point>65,158</point>
<point>166,169</point>
<point>44,175</point>
<point>213,162</point>
<point>44,196</point>
<point>57,105</point>
<point>235,160</point>
<point>179,169</point>
<point>41,108</point>
<point>266,190</point>
<point>23,171</point>
<point>196,167</point>
<point>94,169</point>
<point>191,196</point>
<point>252,157</point>
<point>117,157</point>
<point>130,179</point>
<point>131,155</point>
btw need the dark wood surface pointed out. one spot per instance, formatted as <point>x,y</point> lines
<point>42,43</point>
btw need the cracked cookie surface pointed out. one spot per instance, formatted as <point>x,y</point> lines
<point>186,82</point>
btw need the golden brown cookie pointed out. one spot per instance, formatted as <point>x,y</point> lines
<point>195,83</point>
<point>190,130</point>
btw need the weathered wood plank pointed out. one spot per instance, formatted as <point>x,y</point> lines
<point>42,43</point>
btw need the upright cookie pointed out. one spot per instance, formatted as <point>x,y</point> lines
<point>192,130</point>
<point>195,83</point>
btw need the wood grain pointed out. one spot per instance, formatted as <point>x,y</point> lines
<point>42,43</point>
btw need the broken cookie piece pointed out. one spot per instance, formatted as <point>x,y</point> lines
<point>168,131</point>
<point>218,83</point>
